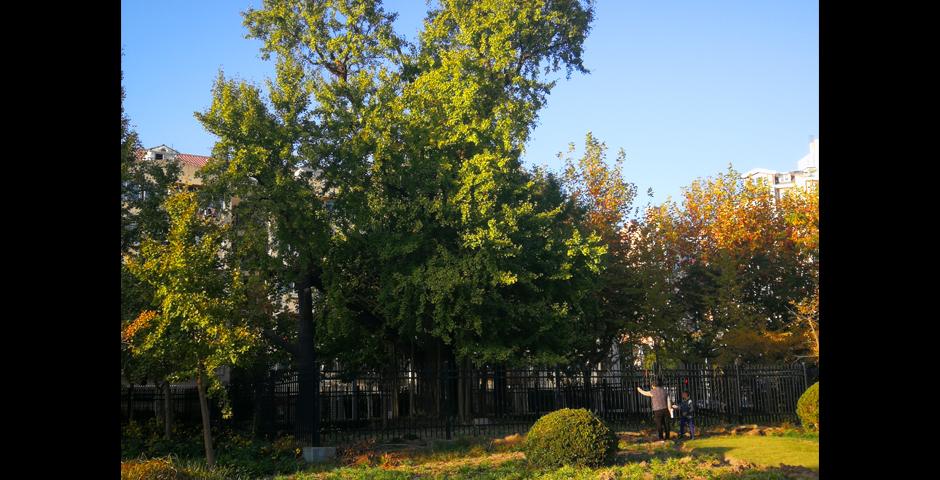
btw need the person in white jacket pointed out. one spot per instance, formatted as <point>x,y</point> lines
<point>660,408</point>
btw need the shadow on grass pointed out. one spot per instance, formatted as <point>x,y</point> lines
<point>751,471</point>
<point>646,451</point>
<point>783,472</point>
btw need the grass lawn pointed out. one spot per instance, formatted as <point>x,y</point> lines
<point>771,451</point>
<point>724,457</point>
<point>780,454</point>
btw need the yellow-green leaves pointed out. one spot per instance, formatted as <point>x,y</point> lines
<point>433,231</point>
<point>195,293</point>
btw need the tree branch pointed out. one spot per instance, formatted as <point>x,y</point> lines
<point>280,342</point>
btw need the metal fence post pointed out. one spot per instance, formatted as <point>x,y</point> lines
<point>737,381</point>
<point>805,380</point>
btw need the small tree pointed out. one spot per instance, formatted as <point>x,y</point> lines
<point>603,199</point>
<point>194,325</point>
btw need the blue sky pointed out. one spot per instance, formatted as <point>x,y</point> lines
<point>684,87</point>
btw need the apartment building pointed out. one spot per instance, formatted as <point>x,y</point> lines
<point>806,173</point>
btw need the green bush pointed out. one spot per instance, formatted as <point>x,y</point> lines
<point>808,407</point>
<point>145,439</point>
<point>255,457</point>
<point>569,437</point>
<point>240,455</point>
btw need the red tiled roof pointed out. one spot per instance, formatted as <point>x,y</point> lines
<point>197,161</point>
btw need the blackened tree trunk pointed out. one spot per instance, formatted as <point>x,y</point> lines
<point>461,387</point>
<point>263,405</point>
<point>201,380</point>
<point>308,401</point>
<point>411,383</point>
<point>167,410</point>
<point>130,403</point>
<point>440,381</point>
<point>500,390</point>
<point>257,392</point>
<point>588,393</point>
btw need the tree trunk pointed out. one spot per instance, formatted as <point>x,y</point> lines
<point>467,390</point>
<point>588,390</point>
<point>411,383</point>
<point>201,381</point>
<point>439,383</point>
<point>308,401</point>
<point>500,391</point>
<point>167,410</point>
<point>130,403</point>
<point>461,381</point>
<point>355,398</point>
<point>396,384</point>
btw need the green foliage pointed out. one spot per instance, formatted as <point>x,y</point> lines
<point>570,437</point>
<point>195,326</point>
<point>808,407</point>
<point>603,199</point>
<point>434,235</point>
<point>256,458</point>
<point>145,439</point>
<point>238,455</point>
<point>145,186</point>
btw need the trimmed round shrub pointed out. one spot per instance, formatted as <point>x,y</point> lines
<point>808,407</point>
<point>569,437</point>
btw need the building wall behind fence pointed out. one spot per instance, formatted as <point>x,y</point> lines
<point>425,404</point>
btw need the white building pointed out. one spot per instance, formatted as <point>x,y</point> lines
<point>806,174</point>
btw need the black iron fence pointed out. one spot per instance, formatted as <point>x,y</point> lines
<point>444,403</point>
<point>144,402</point>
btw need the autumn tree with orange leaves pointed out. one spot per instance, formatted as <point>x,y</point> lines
<point>723,269</point>
<point>801,209</point>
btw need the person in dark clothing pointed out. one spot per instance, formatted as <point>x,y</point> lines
<point>660,409</point>
<point>685,416</point>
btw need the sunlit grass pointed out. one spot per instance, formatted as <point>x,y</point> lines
<point>762,450</point>
<point>719,458</point>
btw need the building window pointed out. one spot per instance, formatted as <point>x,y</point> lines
<point>158,156</point>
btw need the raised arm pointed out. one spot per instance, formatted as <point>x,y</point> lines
<point>644,392</point>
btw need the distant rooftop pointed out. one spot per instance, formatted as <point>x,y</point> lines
<point>193,160</point>
<point>809,161</point>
